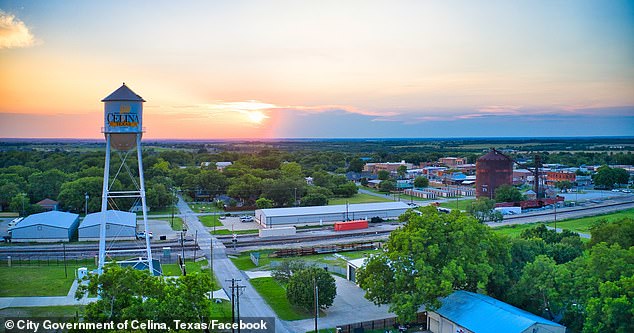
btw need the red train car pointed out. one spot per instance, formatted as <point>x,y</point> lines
<point>351,225</point>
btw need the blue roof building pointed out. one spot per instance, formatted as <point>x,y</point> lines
<point>53,226</point>
<point>467,312</point>
<point>119,225</point>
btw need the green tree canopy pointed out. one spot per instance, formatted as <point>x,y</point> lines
<point>421,182</point>
<point>607,177</point>
<point>617,232</point>
<point>301,285</point>
<point>383,174</point>
<point>508,193</point>
<point>429,257</point>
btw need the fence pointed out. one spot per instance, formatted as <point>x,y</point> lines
<point>390,324</point>
<point>330,268</point>
<point>81,259</point>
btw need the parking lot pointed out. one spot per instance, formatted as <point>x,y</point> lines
<point>234,223</point>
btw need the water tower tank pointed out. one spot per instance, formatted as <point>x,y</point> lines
<point>492,170</point>
<point>123,117</point>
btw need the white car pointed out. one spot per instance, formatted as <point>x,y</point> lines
<point>141,235</point>
<point>246,218</point>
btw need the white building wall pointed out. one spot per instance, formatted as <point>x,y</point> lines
<point>40,233</point>
<point>121,232</point>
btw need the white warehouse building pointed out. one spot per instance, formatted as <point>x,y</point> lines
<point>272,217</point>
<point>120,225</point>
<point>53,226</point>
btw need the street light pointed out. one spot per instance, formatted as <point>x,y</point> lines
<point>86,207</point>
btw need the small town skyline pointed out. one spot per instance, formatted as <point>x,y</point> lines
<point>354,69</point>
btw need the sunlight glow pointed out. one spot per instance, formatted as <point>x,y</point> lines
<point>256,116</point>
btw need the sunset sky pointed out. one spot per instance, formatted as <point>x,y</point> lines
<point>303,69</point>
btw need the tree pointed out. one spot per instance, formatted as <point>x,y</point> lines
<point>613,309</point>
<point>314,199</point>
<point>72,194</point>
<point>482,209</point>
<point>127,293</point>
<point>283,272</point>
<point>421,182</point>
<point>607,177</point>
<point>617,232</point>
<point>356,165</point>
<point>292,170</point>
<point>47,184</point>
<point>158,196</point>
<point>301,286</point>
<point>508,193</point>
<point>345,190</point>
<point>401,171</point>
<point>263,203</point>
<point>563,185</point>
<point>428,258</point>
<point>387,186</point>
<point>383,174</point>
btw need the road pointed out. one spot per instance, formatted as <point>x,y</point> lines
<point>251,303</point>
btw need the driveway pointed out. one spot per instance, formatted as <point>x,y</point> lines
<point>348,307</point>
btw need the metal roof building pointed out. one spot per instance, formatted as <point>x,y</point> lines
<point>469,312</point>
<point>50,226</point>
<point>120,225</point>
<point>271,217</point>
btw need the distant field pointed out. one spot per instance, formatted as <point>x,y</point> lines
<point>462,204</point>
<point>581,225</point>
<point>358,198</point>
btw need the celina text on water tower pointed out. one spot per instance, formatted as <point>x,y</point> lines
<point>123,117</point>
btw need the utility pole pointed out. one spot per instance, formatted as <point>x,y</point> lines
<point>316,295</point>
<point>86,207</point>
<point>65,267</point>
<point>173,205</point>
<point>235,291</point>
<point>195,244</point>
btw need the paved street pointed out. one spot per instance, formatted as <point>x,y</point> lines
<point>251,304</point>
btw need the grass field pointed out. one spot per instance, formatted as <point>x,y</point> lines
<point>581,225</point>
<point>221,310</point>
<point>275,295</point>
<point>68,311</point>
<point>463,204</point>
<point>210,221</point>
<point>206,207</point>
<point>37,280</point>
<point>243,261</point>
<point>178,223</point>
<point>358,198</point>
<point>237,232</point>
<point>191,266</point>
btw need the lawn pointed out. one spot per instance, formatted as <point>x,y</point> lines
<point>581,225</point>
<point>178,223</point>
<point>36,280</point>
<point>358,198</point>
<point>206,207</point>
<point>221,310</point>
<point>192,267</point>
<point>275,295</point>
<point>67,311</point>
<point>210,221</point>
<point>243,261</point>
<point>463,204</point>
<point>223,232</point>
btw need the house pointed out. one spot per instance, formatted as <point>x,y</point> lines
<point>467,312</point>
<point>220,166</point>
<point>53,226</point>
<point>48,204</point>
<point>352,266</point>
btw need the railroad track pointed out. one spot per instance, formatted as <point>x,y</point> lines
<point>569,211</point>
<point>299,239</point>
<point>86,248</point>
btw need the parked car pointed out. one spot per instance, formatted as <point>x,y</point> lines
<point>246,218</point>
<point>141,235</point>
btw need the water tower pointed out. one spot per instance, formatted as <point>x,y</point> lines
<point>123,119</point>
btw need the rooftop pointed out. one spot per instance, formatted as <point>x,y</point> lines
<point>112,217</point>
<point>123,94</point>
<point>316,210</point>
<point>475,311</point>
<point>52,218</point>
